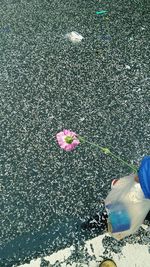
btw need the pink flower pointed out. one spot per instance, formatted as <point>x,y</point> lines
<point>67,140</point>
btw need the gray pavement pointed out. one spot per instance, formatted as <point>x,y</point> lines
<point>98,88</point>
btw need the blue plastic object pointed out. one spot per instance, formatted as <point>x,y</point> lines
<point>144,176</point>
<point>118,217</point>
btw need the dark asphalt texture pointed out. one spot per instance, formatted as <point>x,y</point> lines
<point>99,88</point>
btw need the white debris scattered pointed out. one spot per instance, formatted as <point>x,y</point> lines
<point>74,37</point>
<point>131,255</point>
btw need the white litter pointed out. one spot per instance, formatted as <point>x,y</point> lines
<point>74,37</point>
<point>127,67</point>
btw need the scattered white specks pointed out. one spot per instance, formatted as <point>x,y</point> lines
<point>134,254</point>
<point>74,37</point>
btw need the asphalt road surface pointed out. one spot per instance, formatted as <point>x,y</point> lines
<point>99,87</point>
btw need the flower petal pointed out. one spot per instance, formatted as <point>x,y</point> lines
<point>62,142</point>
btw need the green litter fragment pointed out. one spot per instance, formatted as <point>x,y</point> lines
<point>101,12</point>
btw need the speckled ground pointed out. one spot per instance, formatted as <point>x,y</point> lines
<point>126,253</point>
<point>99,88</point>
